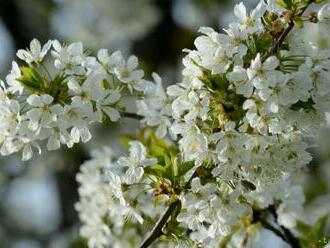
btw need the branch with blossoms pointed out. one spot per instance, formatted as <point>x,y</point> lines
<point>214,162</point>
<point>293,17</point>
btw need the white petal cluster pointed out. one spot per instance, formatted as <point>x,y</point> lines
<point>36,53</point>
<point>57,103</point>
<point>323,17</point>
<point>290,200</point>
<point>155,106</point>
<point>271,98</point>
<point>210,215</point>
<point>249,117</point>
<point>107,201</point>
<point>229,138</point>
<point>94,200</point>
<point>135,162</point>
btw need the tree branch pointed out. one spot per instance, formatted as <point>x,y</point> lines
<point>274,49</point>
<point>290,238</point>
<point>271,228</point>
<point>287,234</point>
<point>132,116</point>
<point>157,230</point>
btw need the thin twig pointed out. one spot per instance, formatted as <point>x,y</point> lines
<point>274,49</point>
<point>277,232</point>
<point>287,234</point>
<point>157,230</point>
<point>291,239</point>
<point>132,116</point>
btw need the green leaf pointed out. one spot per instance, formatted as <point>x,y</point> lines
<point>174,166</point>
<point>157,147</point>
<point>282,3</point>
<point>31,80</point>
<point>213,81</point>
<point>168,168</point>
<point>79,243</point>
<point>318,229</point>
<point>257,44</point>
<point>298,22</point>
<point>157,199</point>
<point>185,167</point>
<point>157,170</point>
<point>59,89</point>
<point>315,235</point>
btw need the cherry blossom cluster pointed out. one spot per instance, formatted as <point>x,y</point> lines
<point>116,197</point>
<point>218,153</point>
<point>247,113</point>
<point>59,92</point>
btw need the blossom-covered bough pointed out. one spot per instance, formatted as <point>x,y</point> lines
<point>215,159</point>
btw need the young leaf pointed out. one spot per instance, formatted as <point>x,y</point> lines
<point>156,170</point>
<point>31,79</point>
<point>185,167</point>
<point>314,236</point>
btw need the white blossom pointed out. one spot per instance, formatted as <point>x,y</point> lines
<point>127,72</point>
<point>251,23</point>
<point>241,123</point>
<point>323,17</point>
<point>36,53</point>
<point>135,162</point>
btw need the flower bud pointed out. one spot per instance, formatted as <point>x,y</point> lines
<point>272,16</point>
<point>286,16</point>
<point>313,17</point>
<point>278,26</point>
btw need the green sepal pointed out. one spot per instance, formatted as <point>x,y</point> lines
<point>185,167</point>
<point>286,4</point>
<point>32,80</point>
<point>157,170</point>
<point>216,81</point>
<point>59,89</point>
<point>298,22</point>
<point>157,199</point>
